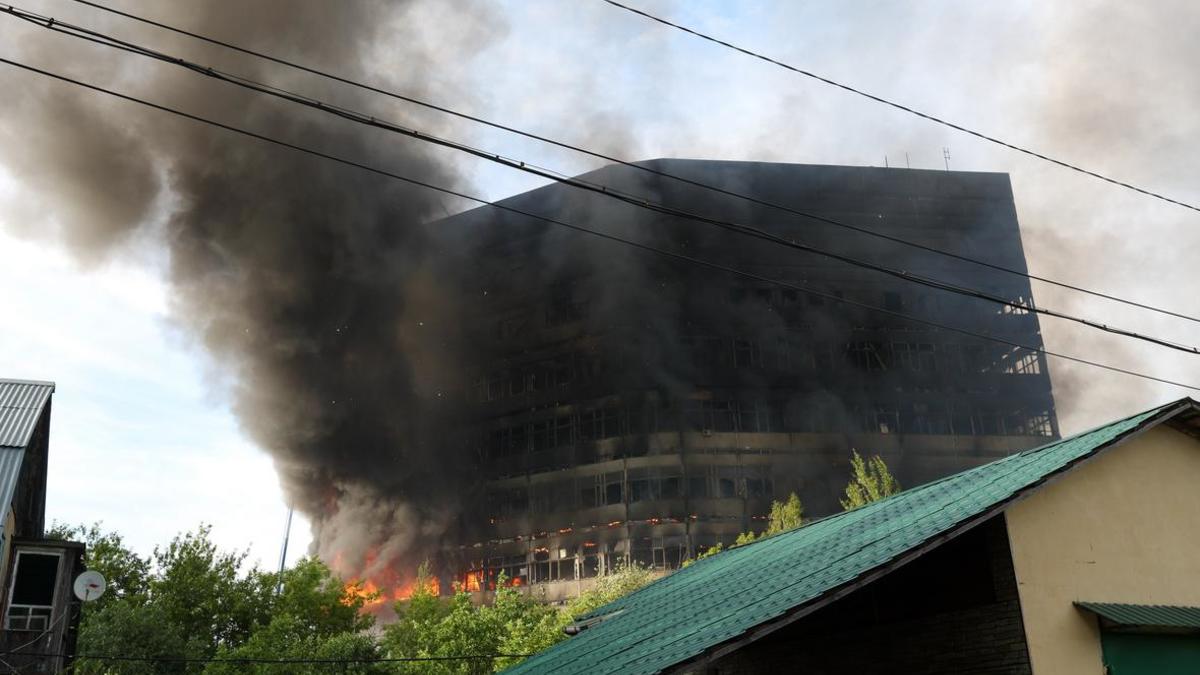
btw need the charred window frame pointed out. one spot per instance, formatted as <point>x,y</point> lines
<point>927,418</point>
<point>1018,363</point>
<point>563,307</point>
<point>867,356</point>
<point>879,419</point>
<point>726,479</point>
<point>590,560</point>
<point>758,482</point>
<point>746,354</point>
<point>759,417</point>
<point>506,443</point>
<point>508,502</point>
<point>601,423</point>
<point>712,416</point>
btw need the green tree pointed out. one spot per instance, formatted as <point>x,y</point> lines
<point>785,515</point>
<point>204,592</point>
<point>136,631</point>
<point>317,598</point>
<point>290,637</point>
<point>870,481</point>
<point>193,609</point>
<point>514,623</point>
<point>126,573</point>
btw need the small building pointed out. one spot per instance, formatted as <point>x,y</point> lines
<point>1082,556</point>
<point>39,609</point>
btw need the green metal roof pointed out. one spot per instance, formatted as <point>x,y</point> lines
<point>1157,616</point>
<point>720,598</point>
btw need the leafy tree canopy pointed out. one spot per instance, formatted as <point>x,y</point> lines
<point>870,481</point>
<point>193,609</point>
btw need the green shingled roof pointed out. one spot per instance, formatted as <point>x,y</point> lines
<point>720,598</point>
<point>1141,616</point>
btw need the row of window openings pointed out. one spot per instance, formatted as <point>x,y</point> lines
<point>561,308</point>
<point>564,307</point>
<point>939,420</point>
<point>591,560</point>
<point>761,417</point>
<point>547,375</point>
<point>613,488</point>
<point>787,298</point>
<point>788,354</point>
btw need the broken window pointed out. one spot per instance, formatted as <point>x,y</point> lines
<point>495,386</point>
<point>746,354</point>
<point>613,488</point>
<point>642,552</point>
<point>866,356</point>
<point>563,307</point>
<point>669,487</point>
<point>758,483</point>
<point>31,600</point>
<point>727,481</point>
<point>758,417</point>
<point>601,423</point>
<point>1023,364</point>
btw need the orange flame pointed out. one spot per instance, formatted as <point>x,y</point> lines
<point>371,596</point>
<point>473,581</point>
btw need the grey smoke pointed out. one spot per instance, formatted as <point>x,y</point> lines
<point>308,282</point>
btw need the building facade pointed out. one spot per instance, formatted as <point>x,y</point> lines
<point>627,406</point>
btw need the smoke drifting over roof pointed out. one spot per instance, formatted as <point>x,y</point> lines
<point>306,281</point>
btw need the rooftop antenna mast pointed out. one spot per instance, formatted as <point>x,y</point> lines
<point>946,157</point>
<point>287,531</point>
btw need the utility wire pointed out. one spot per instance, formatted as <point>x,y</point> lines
<point>634,165</point>
<point>634,200</point>
<point>601,235</point>
<point>899,106</point>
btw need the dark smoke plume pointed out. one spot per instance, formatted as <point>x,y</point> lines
<point>307,281</point>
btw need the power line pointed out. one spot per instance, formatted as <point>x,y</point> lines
<point>634,200</point>
<point>899,106</point>
<point>594,233</point>
<point>634,165</point>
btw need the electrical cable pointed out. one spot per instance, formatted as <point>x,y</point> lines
<point>637,201</point>
<point>602,235</point>
<point>634,165</point>
<point>899,106</point>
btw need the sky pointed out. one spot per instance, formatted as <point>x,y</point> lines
<point>144,437</point>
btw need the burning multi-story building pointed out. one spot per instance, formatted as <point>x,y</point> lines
<point>627,406</point>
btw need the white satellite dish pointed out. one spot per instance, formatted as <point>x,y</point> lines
<point>89,585</point>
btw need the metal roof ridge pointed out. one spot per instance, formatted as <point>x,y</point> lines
<point>13,380</point>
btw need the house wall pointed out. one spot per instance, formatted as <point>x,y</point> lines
<point>953,611</point>
<point>1121,528</point>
